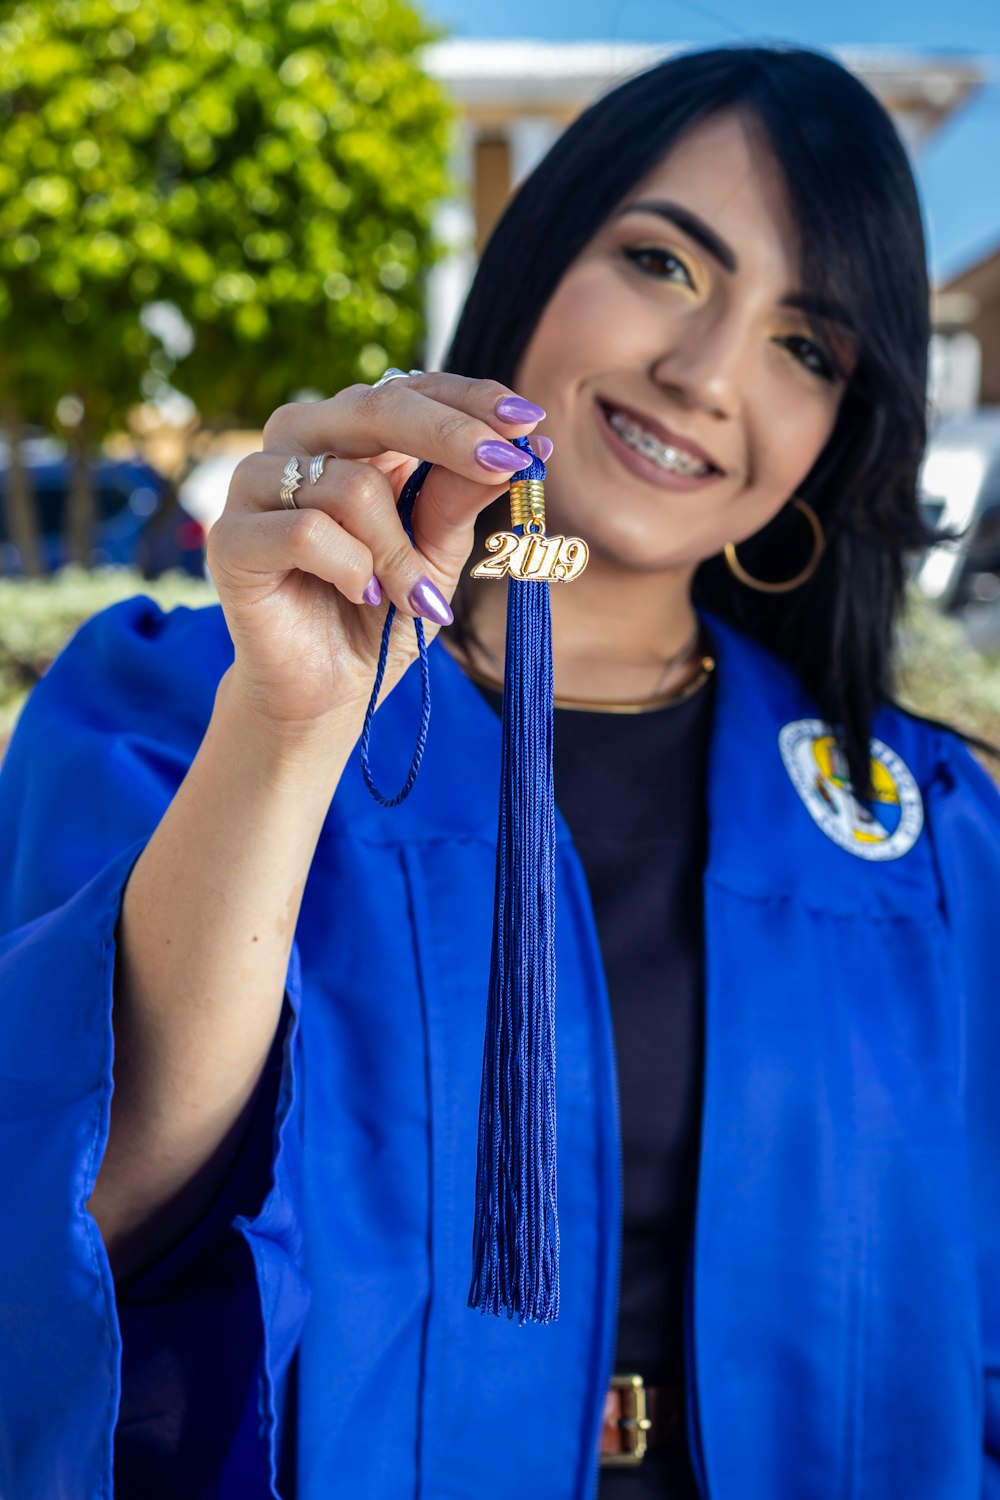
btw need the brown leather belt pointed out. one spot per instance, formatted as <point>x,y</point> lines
<point>638,1417</point>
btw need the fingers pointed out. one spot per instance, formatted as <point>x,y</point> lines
<point>345,529</point>
<point>460,424</point>
<point>274,541</point>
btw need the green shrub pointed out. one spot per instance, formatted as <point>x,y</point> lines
<point>942,676</point>
<point>38,616</point>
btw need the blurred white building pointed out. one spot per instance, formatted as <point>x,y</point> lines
<point>515,97</point>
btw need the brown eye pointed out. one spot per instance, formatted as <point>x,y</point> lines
<point>653,260</point>
<point>809,354</point>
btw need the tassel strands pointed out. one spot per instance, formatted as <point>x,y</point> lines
<point>516,1235</point>
<point>515,1251</point>
<point>515,1246</point>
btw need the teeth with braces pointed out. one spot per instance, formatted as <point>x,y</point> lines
<point>643,442</point>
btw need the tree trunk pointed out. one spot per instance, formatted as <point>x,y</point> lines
<point>80,499</point>
<point>20,514</point>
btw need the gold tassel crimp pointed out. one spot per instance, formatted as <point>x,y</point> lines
<point>527,503</point>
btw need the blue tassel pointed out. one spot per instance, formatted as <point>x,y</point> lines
<point>515,1248</point>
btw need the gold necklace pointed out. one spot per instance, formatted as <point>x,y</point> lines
<point>706,666</point>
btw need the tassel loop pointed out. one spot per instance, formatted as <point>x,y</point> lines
<point>407,500</point>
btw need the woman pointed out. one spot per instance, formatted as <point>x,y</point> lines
<point>714,287</point>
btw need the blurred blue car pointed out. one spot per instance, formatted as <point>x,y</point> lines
<point>138,521</point>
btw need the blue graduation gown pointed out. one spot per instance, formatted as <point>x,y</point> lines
<point>844,1281</point>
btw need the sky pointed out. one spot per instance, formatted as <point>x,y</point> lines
<point>959,169</point>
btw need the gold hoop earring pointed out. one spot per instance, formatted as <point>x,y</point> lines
<point>819,543</point>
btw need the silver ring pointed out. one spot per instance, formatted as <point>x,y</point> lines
<point>394,374</point>
<point>316,466</point>
<point>290,481</point>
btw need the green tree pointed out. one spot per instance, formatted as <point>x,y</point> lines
<point>69,323</point>
<point>271,167</point>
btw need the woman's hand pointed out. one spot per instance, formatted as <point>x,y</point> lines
<point>292,583</point>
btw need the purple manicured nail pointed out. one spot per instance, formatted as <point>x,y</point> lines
<point>502,458</point>
<point>543,447</point>
<point>428,601</point>
<point>516,409</point>
<point>373,592</point>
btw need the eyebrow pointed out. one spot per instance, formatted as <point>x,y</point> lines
<point>696,229</point>
<point>692,226</point>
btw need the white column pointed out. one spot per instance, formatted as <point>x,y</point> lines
<point>448,280</point>
<point>530,137</point>
<point>955,372</point>
<point>914,126</point>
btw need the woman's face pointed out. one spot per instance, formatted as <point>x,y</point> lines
<point>688,390</point>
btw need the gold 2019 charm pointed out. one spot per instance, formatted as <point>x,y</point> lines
<point>531,555</point>
<point>534,556</point>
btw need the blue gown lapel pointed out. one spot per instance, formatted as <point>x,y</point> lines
<point>834,1317</point>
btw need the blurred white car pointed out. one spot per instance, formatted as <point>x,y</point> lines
<point>960,489</point>
<point>203,493</point>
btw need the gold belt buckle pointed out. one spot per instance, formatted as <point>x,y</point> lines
<point>633,1423</point>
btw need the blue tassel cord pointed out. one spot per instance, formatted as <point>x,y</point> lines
<point>407,500</point>
<point>515,1248</point>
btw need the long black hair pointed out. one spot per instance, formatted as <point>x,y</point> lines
<point>862,245</point>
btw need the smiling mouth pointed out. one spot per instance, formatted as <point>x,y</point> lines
<point>672,460</point>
